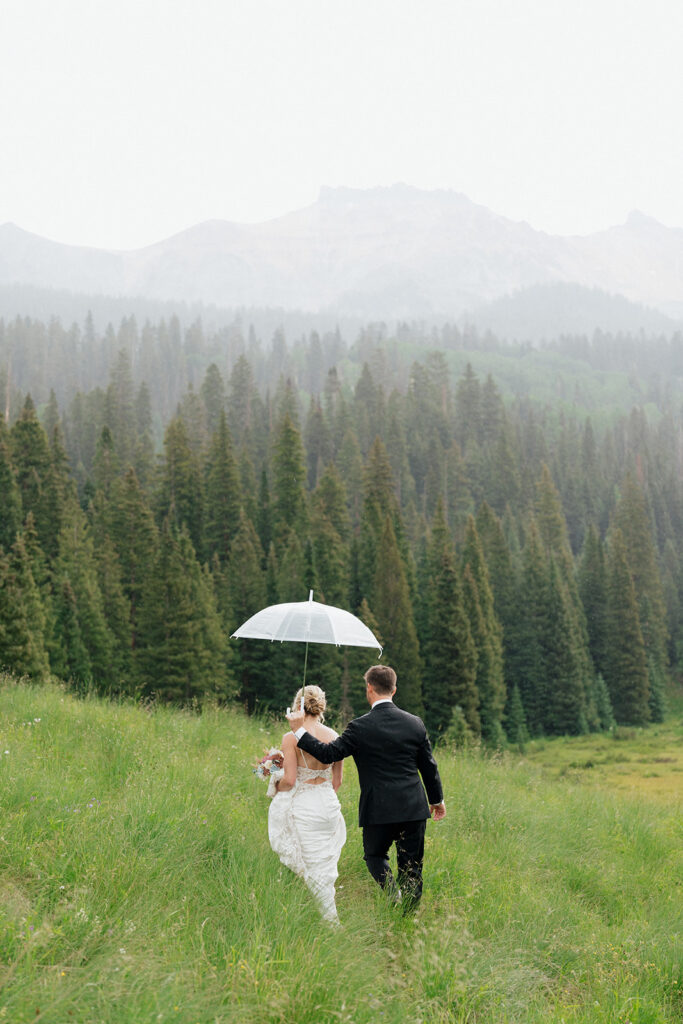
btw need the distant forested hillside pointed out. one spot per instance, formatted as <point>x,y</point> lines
<point>544,311</point>
<point>508,520</point>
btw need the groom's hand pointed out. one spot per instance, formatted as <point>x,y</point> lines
<point>295,719</point>
<point>438,811</point>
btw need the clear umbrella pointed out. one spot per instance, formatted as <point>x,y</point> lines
<point>308,622</point>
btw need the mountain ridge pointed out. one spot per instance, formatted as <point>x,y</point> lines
<point>391,252</point>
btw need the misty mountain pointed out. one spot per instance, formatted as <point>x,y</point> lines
<point>384,253</point>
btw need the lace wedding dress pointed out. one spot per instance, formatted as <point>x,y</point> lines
<point>306,829</point>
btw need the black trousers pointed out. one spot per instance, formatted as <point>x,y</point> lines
<point>409,837</point>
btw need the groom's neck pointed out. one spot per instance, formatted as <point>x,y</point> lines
<point>374,697</point>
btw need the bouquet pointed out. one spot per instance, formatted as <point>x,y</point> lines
<point>271,767</point>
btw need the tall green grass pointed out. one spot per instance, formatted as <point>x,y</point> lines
<point>137,884</point>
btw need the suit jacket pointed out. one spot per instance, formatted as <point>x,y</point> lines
<point>391,750</point>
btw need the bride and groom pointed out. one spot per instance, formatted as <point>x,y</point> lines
<point>392,754</point>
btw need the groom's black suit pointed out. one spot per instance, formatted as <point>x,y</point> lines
<point>391,750</point>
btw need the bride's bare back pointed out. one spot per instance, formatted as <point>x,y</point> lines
<point>294,757</point>
<point>322,733</point>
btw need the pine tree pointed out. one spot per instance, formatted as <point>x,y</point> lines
<point>488,680</point>
<point>193,414</point>
<point>379,501</point>
<point>59,488</point>
<point>350,465</point>
<point>331,500</point>
<point>329,529</point>
<point>143,463</point>
<point>565,711</point>
<point>10,498</point>
<point>181,495</point>
<point>330,558</point>
<point>550,521</point>
<point>130,524</point>
<point>632,518</point>
<point>393,610</point>
<point>503,580</point>
<point>120,402</point>
<point>368,409</point>
<point>657,701</point>
<point>291,583</point>
<point>263,523</point>
<point>223,493</point>
<point>290,511</point>
<point>106,465</point>
<point>502,479</point>
<point>247,591</point>
<point>181,653</point>
<point>626,673</point>
<point>22,619</point>
<point>405,462</point>
<point>450,654</point>
<point>115,604</point>
<point>318,443</point>
<point>468,409</point>
<point>487,635</point>
<point>355,663</point>
<point>526,662</point>
<point>43,578</point>
<point>272,573</point>
<point>603,705</point>
<point>50,417</point>
<point>458,499</point>
<point>241,400</point>
<point>592,579</point>
<point>213,396</point>
<point>76,564</point>
<point>71,661</point>
<point>515,721</point>
<point>552,528</point>
<point>590,479</point>
<point>251,501</point>
<point>30,455</point>
<point>492,411</point>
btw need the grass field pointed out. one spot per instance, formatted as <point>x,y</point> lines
<point>137,884</point>
<point>642,762</point>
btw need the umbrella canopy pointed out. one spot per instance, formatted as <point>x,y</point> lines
<point>308,622</point>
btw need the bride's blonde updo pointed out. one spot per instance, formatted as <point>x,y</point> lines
<point>315,702</point>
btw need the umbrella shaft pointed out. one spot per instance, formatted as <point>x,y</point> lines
<point>303,695</point>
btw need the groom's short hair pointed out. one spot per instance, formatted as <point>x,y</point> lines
<point>382,679</point>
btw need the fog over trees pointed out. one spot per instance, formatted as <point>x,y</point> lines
<point>507,519</point>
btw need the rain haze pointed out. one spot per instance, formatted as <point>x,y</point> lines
<point>341,361</point>
<point>125,123</point>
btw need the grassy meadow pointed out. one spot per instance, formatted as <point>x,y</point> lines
<point>640,762</point>
<point>137,884</point>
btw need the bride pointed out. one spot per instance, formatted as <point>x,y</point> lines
<point>305,823</point>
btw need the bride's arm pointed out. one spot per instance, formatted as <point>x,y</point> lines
<point>289,751</point>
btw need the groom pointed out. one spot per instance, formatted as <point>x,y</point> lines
<point>391,750</point>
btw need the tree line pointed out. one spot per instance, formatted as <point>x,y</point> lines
<point>521,567</point>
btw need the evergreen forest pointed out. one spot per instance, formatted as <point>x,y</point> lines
<point>508,520</point>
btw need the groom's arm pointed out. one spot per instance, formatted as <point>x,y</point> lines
<point>430,773</point>
<point>326,753</point>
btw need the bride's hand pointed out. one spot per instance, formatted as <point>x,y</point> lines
<point>295,719</point>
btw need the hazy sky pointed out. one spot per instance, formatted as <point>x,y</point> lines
<point>122,123</point>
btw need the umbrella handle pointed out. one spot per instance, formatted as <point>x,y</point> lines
<point>303,691</point>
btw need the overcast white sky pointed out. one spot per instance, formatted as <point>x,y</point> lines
<point>122,123</point>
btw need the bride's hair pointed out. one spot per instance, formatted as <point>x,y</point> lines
<point>314,703</point>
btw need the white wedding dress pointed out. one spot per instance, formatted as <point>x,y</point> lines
<point>306,829</point>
